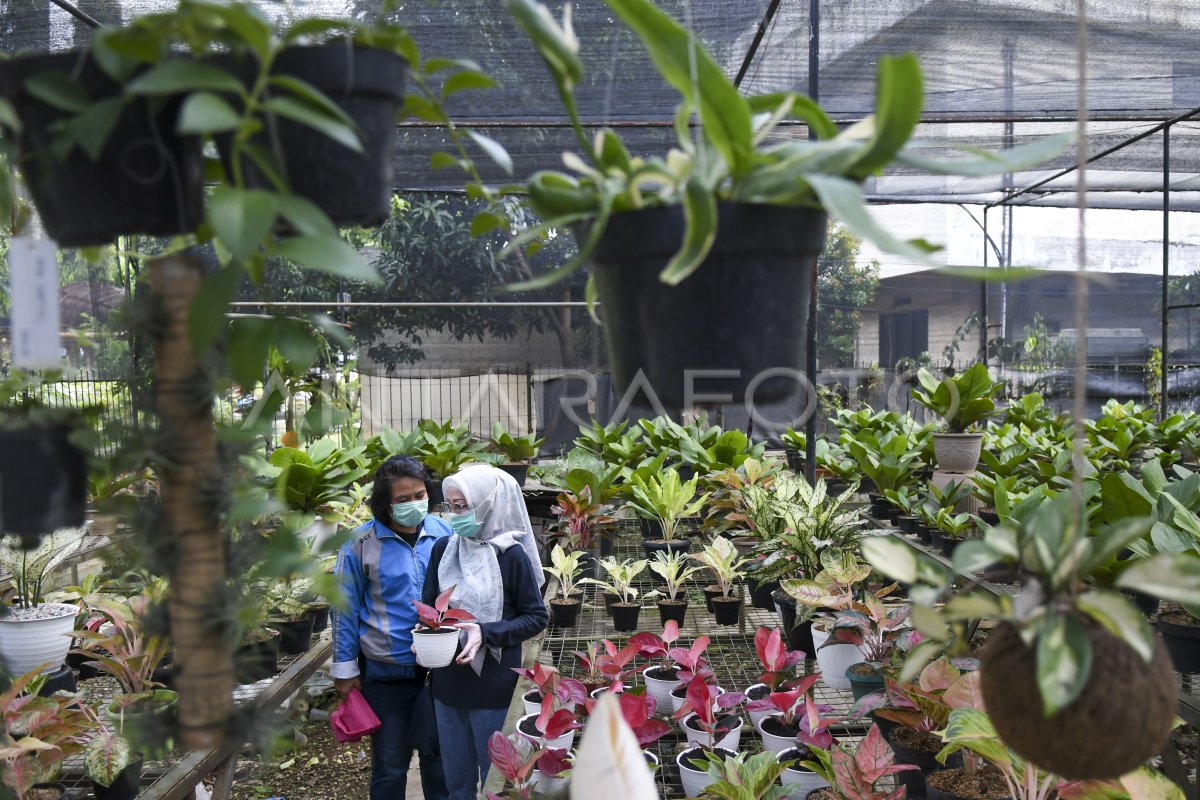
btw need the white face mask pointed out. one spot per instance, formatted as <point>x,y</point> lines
<point>409,515</point>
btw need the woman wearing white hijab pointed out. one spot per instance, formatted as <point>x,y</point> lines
<point>493,565</point>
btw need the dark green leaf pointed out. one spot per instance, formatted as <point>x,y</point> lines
<point>443,160</point>
<point>1064,660</point>
<point>485,221</point>
<point>8,116</point>
<point>204,112</point>
<point>249,344</point>
<point>844,201</point>
<point>179,75</point>
<point>328,254</point>
<point>494,150</point>
<point>241,218</point>
<point>295,341</point>
<point>59,90</point>
<point>467,79</point>
<point>94,126</point>
<point>1121,618</point>
<point>316,119</point>
<point>206,318</point>
<point>305,216</point>
<point>314,97</point>
<point>899,98</point>
<point>700,214</point>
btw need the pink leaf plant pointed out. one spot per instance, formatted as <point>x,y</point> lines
<point>651,645</point>
<point>606,665</point>
<point>554,762</point>
<point>690,661</point>
<point>514,758</point>
<point>854,773</point>
<point>710,708</point>
<point>638,711</point>
<point>787,703</point>
<point>440,615</point>
<point>777,661</point>
<point>553,722</point>
<point>550,683</point>
<point>814,728</point>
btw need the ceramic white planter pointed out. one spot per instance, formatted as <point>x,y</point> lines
<point>957,452</point>
<point>756,716</point>
<point>801,781</point>
<point>28,643</point>
<point>653,762</point>
<point>546,784</point>
<point>435,649</point>
<point>659,689</point>
<point>729,741</point>
<point>677,702</point>
<point>834,660</point>
<point>776,744</point>
<point>564,742</point>
<point>694,781</point>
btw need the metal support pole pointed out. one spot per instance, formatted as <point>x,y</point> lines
<point>983,303</point>
<point>810,353</point>
<point>529,400</point>
<point>1166,266</point>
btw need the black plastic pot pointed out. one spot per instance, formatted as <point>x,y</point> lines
<point>862,685</point>
<point>795,460</point>
<point>84,667</point>
<point>61,679</point>
<point>925,533</point>
<point>43,791</point>
<point>353,188</point>
<point>1183,643</point>
<point>652,546</point>
<point>709,593</point>
<point>625,616</point>
<point>258,660</point>
<point>609,599</point>
<point>914,779</point>
<point>565,614</point>
<point>295,634</point>
<point>760,594</point>
<point>763,259</point>
<point>165,674</point>
<point>799,637</point>
<point>520,472</point>
<point>934,793</point>
<point>907,523</point>
<point>434,489</point>
<point>949,544</point>
<point>935,538</point>
<point>146,180</point>
<point>320,615</point>
<point>607,538</point>
<point>43,481</point>
<point>1146,603</point>
<point>989,516</point>
<point>668,610</point>
<point>726,610</point>
<point>125,787</point>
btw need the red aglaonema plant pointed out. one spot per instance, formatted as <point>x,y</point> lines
<point>440,614</point>
<point>924,706</point>
<point>637,708</point>
<point>814,728</point>
<point>690,661</point>
<point>514,758</point>
<point>787,703</point>
<point>853,774</point>
<point>554,762</point>
<point>578,518</point>
<point>870,626</point>
<point>777,661</point>
<point>654,646</point>
<point>551,683</point>
<point>553,722</point>
<point>710,708</point>
<point>605,665</point>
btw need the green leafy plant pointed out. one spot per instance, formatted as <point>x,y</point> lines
<point>565,568</point>
<point>800,524</point>
<point>122,647</point>
<point>746,777</point>
<point>722,558</point>
<point>310,481</point>
<point>620,577</point>
<point>579,517</point>
<point>962,400</point>
<point>517,449</point>
<point>107,753</point>
<point>31,568</point>
<point>672,567</point>
<point>736,157</point>
<point>667,499</point>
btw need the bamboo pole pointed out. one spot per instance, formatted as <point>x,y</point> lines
<point>203,662</point>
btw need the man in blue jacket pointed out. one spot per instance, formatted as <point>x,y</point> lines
<point>382,571</point>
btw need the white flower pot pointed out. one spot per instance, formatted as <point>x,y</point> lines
<point>42,638</point>
<point>654,763</point>
<point>435,649</point>
<point>833,661</point>
<point>564,742</point>
<point>729,741</point>
<point>660,690</point>
<point>695,781</point>
<point>802,781</point>
<point>776,744</point>
<point>596,693</point>
<point>756,716</point>
<point>677,702</point>
<point>957,452</point>
<point>536,708</point>
<point>546,784</point>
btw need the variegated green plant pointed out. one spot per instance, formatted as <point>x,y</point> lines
<point>106,757</point>
<point>672,567</point>
<point>801,523</point>
<point>722,558</point>
<point>620,577</point>
<point>666,498</point>
<point>565,568</point>
<point>737,154</point>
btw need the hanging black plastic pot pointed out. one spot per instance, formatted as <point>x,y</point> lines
<point>43,481</point>
<point>761,264</point>
<point>147,180</point>
<point>352,188</point>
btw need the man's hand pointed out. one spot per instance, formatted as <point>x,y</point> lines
<point>344,685</point>
<point>471,646</point>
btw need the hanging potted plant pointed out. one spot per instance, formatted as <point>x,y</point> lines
<point>518,451</point>
<point>733,217</point>
<point>1071,662</point>
<point>664,500</point>
<point>36,633</point>
<point>436,641</point>
<point>721,557</point>
<point>564,609</point>
<point>962,401</point>
<point>671,567</point>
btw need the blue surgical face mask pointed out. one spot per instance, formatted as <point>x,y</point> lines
<point>409,515</point>
<point>465,524</point>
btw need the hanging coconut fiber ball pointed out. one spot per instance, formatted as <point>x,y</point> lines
<point>1120,720</point>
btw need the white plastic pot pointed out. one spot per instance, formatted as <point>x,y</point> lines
<point>756,716</point>
<point>564,742</point>
<point>435,649</point>
<point>28,643</point>
<point>833,661</point>
<point>957,452</point>
<point>546,784</point>
<point>536,708</point>
<point>677,702</point>
<point>729,741</point>
<point>776,744</point>
<point>695,781</point>
<point>660,690</point>
<point>653,767</point>
<point>595,693</point>
<point>802,780</point>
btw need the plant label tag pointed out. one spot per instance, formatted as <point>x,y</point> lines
<point>33,271</point>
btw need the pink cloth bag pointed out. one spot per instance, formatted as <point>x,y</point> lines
<point>354,719</point>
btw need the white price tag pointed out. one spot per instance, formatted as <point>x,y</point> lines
<point>33,271</point>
